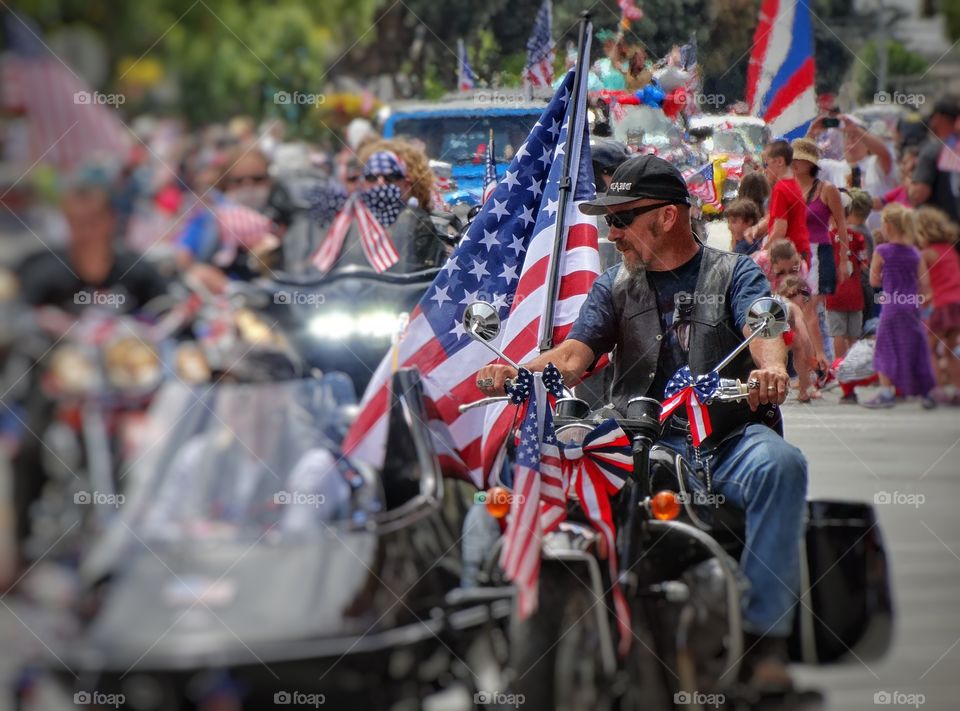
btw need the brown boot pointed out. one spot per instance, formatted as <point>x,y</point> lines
<point>764,668</point>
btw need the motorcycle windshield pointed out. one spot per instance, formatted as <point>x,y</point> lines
<point>240,462</point>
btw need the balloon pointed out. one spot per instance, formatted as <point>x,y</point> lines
<point>674,102</point>
<point>651,95</point>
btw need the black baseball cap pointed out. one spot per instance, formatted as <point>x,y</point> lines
<point>640,177</point>
<point>608,153</point>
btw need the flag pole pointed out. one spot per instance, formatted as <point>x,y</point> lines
<point>566,186</point>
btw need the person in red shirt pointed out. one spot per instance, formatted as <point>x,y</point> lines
<point>787,217</point>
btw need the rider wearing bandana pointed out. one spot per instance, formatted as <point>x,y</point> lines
<point>396,187</point>
<point>675,302</point>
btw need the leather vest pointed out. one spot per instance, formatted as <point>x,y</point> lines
<point>713,333</point>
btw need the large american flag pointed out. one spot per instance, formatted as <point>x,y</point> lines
<point>504,259</point>
<point>66,123</point>
<point>540,48</point>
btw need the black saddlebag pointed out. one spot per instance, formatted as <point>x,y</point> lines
<point>845,607</point>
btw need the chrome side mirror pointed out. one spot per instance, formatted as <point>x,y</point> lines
<point>482,323</point>
<point>768,316</point>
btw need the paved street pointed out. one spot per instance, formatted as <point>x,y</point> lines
<point>855,453</point>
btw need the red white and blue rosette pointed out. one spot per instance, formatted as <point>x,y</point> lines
<point>684,389</point>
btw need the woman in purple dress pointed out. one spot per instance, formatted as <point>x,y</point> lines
<point>902,357</point>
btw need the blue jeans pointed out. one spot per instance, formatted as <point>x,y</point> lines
<point>760,473</point>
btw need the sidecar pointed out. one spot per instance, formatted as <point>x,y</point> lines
<point>253,560</point>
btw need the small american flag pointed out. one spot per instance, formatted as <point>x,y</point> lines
<point>239,227</point>
<point>538,478</point>
<point>701,182</point>
<point>490,170</point>
<point>504,259</point>
<point>67,123</point>
<point>466,79</point>
<point>540,49</point>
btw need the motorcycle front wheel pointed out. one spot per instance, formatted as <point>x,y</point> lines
<point>555,654</point>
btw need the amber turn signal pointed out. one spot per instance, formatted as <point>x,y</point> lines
<point>665,506</point>
<point>498,501</point>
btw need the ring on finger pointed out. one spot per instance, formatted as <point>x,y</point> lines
<point>753,384</point>
<point>485,382</point>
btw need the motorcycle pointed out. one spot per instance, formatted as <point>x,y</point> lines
<point>677,550</point>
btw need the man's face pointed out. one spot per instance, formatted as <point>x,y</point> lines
<point>639,241</point>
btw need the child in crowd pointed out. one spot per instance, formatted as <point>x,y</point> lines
<point>938,240</point>
<point>902,357</point>
<point>741,214</point>
<point>796,292</point>
<point>858,210</point>
<point>845,305</point>
<point>755,187</point>
<point>779,261</point>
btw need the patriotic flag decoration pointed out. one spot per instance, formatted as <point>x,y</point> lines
<point>540,49</point>
<point>684,389</point>
<point>780,87</point>
<point>596,470</point>
<point>66,122</point>
<point>466,79</point>
<point>239,226</point>
<point>702,182</point>
<point>538,486</point>
<point>504,259</point>
<point>490,170</point>
<point>374,238</point>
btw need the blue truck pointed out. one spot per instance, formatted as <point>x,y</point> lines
<point>456,131</point>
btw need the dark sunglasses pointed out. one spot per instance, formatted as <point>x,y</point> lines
<point>389,177</point>
<point>352,178</point>
<point>251,179</point>
<point>625,218</point>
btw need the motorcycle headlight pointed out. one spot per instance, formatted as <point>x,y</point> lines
<point>132,364</point>
<point>372,324</point>
<point>73,371</point>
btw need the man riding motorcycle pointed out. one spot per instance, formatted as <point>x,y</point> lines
<point>674,302</point>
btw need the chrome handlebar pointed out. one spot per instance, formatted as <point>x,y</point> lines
<point>730,390</point>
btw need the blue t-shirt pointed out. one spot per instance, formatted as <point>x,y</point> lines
<point>596,326</point>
